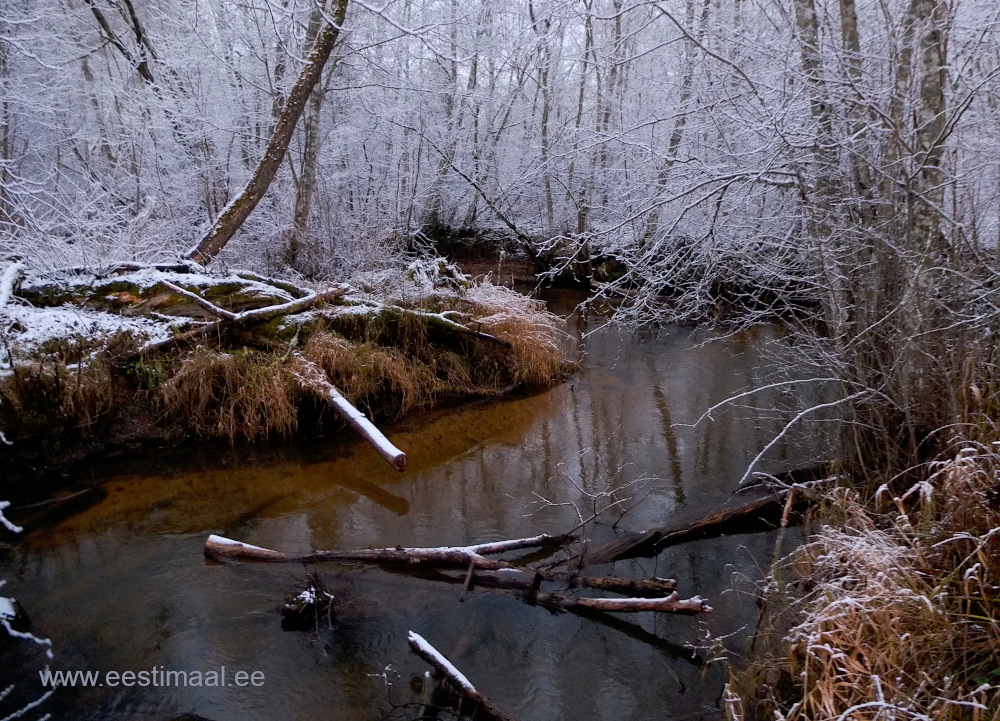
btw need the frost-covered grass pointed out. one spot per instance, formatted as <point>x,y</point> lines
<point>889,612</point>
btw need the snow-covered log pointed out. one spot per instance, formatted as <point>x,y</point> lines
<point>206,304</point>
<point>455,678</point>
<point>7,281</point>
<point>312,379</point>
<point>461,556</point>
<point>228,318</point>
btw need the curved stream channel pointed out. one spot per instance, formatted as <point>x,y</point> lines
<point>124,585</point>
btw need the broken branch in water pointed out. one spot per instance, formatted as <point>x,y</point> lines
<point>504,574</point>
<point>461,556</point>
<point>455,678</point>
<point>762,514</point>
<point>313,379</point>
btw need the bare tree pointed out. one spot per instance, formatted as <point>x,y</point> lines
<point>232,217</point>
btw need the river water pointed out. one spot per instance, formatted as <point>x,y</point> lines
<point>124,584</point>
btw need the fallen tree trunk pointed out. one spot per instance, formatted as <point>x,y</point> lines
<point>668,604</point>
<point>763,514</point>
<point>451,556</point>
<point>228,319</point>
<point>506,576</point>
<point>524,580</point>
<point>312,379</point>
<point>455,678</point>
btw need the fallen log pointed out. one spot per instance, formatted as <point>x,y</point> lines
<point>506,576</point>
<point>241,319</point>
<point>762,514</point>
<point>451,556</point>
<point>668,604</point>
<point>198,300</point>
<point>524,580</point>
<point>313,379</point>
<point>455,678</point>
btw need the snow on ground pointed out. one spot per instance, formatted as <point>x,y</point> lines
<point>26,328</point>
<point>147,278</point>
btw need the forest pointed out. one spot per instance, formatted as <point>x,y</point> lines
<point>248,203</point>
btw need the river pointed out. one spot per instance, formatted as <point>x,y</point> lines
<point>124,585</point>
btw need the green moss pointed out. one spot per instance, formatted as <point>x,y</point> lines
<point>148,374</point>
<point>50,296</point>
<point>117,286</point>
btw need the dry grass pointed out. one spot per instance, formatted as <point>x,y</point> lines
<point>52,397</point>
<point>541,349</point>
<point>66,391</point>
<point>240,394</point>
<point>386,361</point>
<point>364,371</point>
<point>897,615</point>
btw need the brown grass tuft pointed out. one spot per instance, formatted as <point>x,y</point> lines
<point>239,394</point>
<point>541,349</point>
<point>364,371</point>
<point>50,397</point>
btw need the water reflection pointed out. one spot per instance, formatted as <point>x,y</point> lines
<point>124,585</point>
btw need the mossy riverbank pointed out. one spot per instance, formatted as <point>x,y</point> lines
<point>151,356</point>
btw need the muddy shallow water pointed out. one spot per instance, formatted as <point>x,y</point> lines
<point>124,584</point>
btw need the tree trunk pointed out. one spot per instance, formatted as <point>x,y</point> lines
<point>239,208</point>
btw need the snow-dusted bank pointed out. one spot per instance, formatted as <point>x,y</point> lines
<point>134,353</point>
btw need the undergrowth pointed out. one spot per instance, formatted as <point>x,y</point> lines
<point>892,610</point>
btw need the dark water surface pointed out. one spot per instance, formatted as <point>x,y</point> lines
<point>124,585</point>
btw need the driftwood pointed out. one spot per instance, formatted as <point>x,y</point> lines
<point>762,514</point>
<point>668,604</point>
<point>524,580</point>
<point>504,575</point>
<point>313,379</point>
<point>449,556</point>
<point>455,678</point>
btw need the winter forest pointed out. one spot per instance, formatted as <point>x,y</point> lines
<point>823,174</point>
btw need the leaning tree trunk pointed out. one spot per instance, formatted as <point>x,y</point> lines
<point>230,220</point>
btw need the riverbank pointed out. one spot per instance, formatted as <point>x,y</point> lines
<point>139,356</point>
<point>891,609</point>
